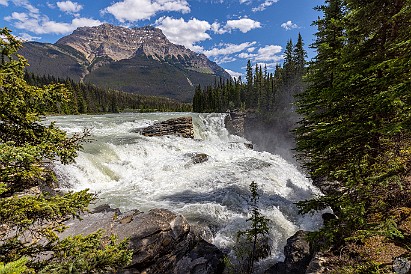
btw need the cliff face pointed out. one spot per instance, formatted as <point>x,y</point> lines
<point>118,43</point>
<point>140,60</point>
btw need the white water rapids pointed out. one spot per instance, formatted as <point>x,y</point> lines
<point>131,171</point>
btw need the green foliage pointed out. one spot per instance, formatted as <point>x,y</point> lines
<point>259,223</point>
<point>365,268</point>
<point>356,116</point>
<point>250,242</point>
<point>15,267</point>
<point>269,93</point>
<point>78,254</point>
<point>87,98</point>
<point>30,220</point>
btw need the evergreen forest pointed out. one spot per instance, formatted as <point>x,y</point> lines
<point>266,93</point>
<point>354,136</point>
<point>86,98</point>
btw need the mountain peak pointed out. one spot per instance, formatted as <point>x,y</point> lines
<point>140,60</point>
<point>111,41</point>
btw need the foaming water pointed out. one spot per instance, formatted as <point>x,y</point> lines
<point>131,171</point>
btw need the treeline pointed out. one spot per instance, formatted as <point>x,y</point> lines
<point>356,132</point>
<point>88,98</point>
<point>264,92</point>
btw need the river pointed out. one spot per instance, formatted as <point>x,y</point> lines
<point>131,171</point>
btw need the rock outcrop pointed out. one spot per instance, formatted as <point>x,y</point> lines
<point>297,254</point>
<point>234,122</point>
<point>119,43</point>
<point>271,135</point>
<point>162,241</point>
<point>197,158</point>
<point>182,126</point>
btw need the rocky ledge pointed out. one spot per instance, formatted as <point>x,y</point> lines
<point>234,122</point>
<point>162,241</point>
<point>182,126</point>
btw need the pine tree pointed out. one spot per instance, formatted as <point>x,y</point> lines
<point>289,64</point>
<point>250,83</point>
<point>356,126</point>
<point>30,222</point>
<point>256,233</point>
<point>299,56</point>
<point>314,104</point>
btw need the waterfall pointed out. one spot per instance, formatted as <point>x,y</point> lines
<point>131,171</point>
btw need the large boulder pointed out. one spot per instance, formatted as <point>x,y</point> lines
<point>297,254</point>
<point>162,241</point>
<point>182,126</point>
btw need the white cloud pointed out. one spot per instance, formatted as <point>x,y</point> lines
<point>26,4</point>
<point>234,73</point>
<point>4,3</point>
<point>269,53</point>
<point>134,10</point>
<point>27,37</point>
<point>289,25</point>
<point>38,24</point>
<point>20,16</point>
<point>215,27</point>
<point>223,53</point>
<point>245,55</point>
<point>51,5</point>
<point>224,59</point>
<point>64,28</point>
<point>264,5</point>
<point>226,49</point>
<point>69,7</point>
<point>184,33</point>
<point>243,24</point>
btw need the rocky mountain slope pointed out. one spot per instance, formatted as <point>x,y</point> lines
<point>140,60</point>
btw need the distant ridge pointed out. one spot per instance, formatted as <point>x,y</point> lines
<point>138,60</point>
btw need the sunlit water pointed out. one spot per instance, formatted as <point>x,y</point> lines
<point>131,171</point>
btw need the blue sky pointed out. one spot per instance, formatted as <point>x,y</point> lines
<point>228,32</point>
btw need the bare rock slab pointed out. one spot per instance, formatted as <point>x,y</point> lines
<point>162,241</point>
<point>182,126</point>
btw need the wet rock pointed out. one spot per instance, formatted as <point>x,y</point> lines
<point>401,265</point>
<point>234,122</point>
<point>202,231</point>
<point>253,164</point>
<point>204,258</point>
<point>162,241</point>
<point>249,145</point>
<point>198,158</point>
<point>297,256</point>
<point>297,253</point>
<point>182,126</point>
<point>105,208</point>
